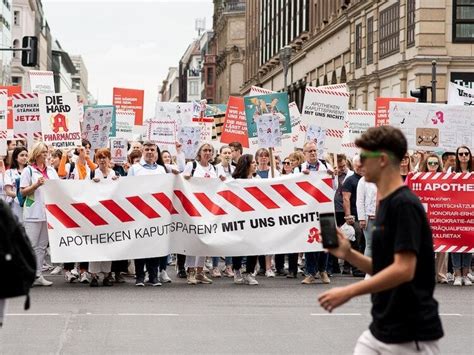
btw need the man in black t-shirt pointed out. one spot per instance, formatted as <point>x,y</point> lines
<point>405,315</point>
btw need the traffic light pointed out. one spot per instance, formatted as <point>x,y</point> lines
<point>421,94</point>
<point>29,56</point>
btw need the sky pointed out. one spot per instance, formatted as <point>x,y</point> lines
<point>126,43</point>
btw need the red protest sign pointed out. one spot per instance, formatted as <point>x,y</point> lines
<point>11,90</point>
<point>382,105</point>
<point>234,128</point>
<point>130,100</point>
<point>449,203</point>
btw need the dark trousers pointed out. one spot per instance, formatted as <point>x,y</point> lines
<point>181,260</point>
<point>292,262</point>
<point>163,262</point>
<point>315,259</point>
<point>82,266</point>
<point>262,262</point>
<point>120,266</point>
<point>151,267</point>
<point>250,266</point>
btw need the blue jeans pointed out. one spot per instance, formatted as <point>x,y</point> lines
<point>461,261</point>
<point>215,261</point>
<point>313,259</point>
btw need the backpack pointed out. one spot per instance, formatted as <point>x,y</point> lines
<point>195,164</point>
<point>21,199</point>
<point>72,166</point>
<point>17,259</point>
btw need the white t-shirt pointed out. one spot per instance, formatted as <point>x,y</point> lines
<point>142,168</point>
<point>209,171</point>
<point>99,175</point>
<point>10,180</point>
<point>74,174</point>
<point>34,208</point>
<point>225,171</point>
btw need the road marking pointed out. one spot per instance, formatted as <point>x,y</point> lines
<point>148,314</point>
<point>336,314</point>
<point>32,314</point>
<point>450,314</point>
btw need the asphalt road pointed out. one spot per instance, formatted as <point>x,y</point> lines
<point>278,316</point>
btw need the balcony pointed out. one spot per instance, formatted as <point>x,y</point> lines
<point>229,7</point>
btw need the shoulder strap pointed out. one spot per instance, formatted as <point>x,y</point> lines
<point>194,167</point>
<point>92,174</point>
<point>323,162</point>
<point>72,166</point>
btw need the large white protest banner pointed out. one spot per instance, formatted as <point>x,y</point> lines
<point>459,95</point>
<point>26,117</point>
<point>142,216</point>
<point>433,126</point>
<point>41,82</point>
<point>326,110</point>
<point>124,124</point>
<point>97,124</point>
<point>357,123</point>
<point>3,121</point>
<point>59,120</point>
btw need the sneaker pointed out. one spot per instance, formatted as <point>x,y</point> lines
<point>41,281</point>
<point>470,276</point>
<point>140,282</point>
<point>308,280</point>
<point>325,278</point>
<point>457,281</point>
<point>47,267</point>
<point>119,278</point>
<point>281,272</point>
<point>108,281</point>
<point>69,276</point>
<point>202,278</point>
<point>443,280</point>
<point>249,279</point>
<point>84,279</point>
<point>95,282</point>
<point>216,272</point>
<point>164,277</point>
<point>192,278</point>
<point>260,272</point>
<point>292,275</point>
<point>57,270</point>
<point>208,264</point>
<point>449,277</point>
<point>182,274</point>
<point>238,279</point>
<point>466,281</point>
<point>154,282</point>
<point>228,272</point>
<point>269,273</point>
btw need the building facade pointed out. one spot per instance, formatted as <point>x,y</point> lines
<point>169,91</point>
<point>379,48</point>
<point>190,74</point>
<point>63,69</point>
<point>208,73</point>
<point>6,24</point>
<point>228,44</point>
<point>80,79</point>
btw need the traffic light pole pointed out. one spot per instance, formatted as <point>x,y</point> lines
<point>433,81</point>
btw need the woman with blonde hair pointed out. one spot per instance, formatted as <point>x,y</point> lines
<point>34,209</point>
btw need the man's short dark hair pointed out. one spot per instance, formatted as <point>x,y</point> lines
<point>237,146</point>
<point>445,155</point>
<point>384,138</point>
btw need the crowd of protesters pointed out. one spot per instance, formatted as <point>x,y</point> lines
<point>23,172</point>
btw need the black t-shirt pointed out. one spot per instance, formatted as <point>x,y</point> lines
<point>408,312</point>
<point>350,185</point>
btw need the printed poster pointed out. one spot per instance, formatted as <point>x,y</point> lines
<point>59,120</point>
<point>189,138</point>
<point>180,112</point>
<point>213,110</point>
<point>268,128</point>
<point>97,124</point>
<point>130,100</point>
<point>41,82</point>
<point>460,95</point>
<point>118,150</point>
<point>357,123</point>
<point>3,122</point>
<point>430,127</point>
<point>11,90</point>
<point>382,106</point>
<point>298,131</point>
<point>26,118</point>
<point>124,124</point>
<point>276,104</point>
<point>163,133</point>
<point>234,128</point>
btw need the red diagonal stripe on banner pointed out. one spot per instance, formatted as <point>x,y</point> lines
<point>61,216</point>
<point>211,206</point>
<point>50,226</point>
<point>117,211</point>
<point>90,214</point>
<point>236,201</point>
<point>288,195</point>
<point>313,191</point>
<point>261,197</point>
<point>328,182</point>
<point>165,201</point>
<point>143,207</point>
<point>187,205</point>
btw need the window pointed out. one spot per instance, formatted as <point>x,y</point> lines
<point>16,18</point>
<point>76,84</point>
<point>463,21</point>
<point>193,88</point>
<point>16,80</point>
<point>16,44</point>
<point>411,23</point>
<point>358,45</point>
<point>389,31</point>
<point>210,76</point>
<point>370,40</point>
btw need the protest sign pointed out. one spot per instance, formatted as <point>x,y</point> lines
<point>97,125</point>
<point>142,216</point>
<point>357,123</point>
<point>41,82</point>
<point>163,133</point>
<point>268,128</point>
<point>11,90</point>
<point>26,118</point>
<point>449,203</point>
<point>431,127</point>
<point>189,138</point>
<point>59,120</point>
<point>382,106</point>
<point>124,124</point>
<point>459,95</point>
<point>3,122</point>
<point>298,131</point>
<point>255,90</point>
<point>215,110</point>
<point>234,128</point>
<point>325,111</point>
<point>118,150</point>
<point>130,100</point>
<point>276,104</point>
<point>180,112</point>
<point>335,87</point>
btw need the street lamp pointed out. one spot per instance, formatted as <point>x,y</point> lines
<point>285,56</point>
